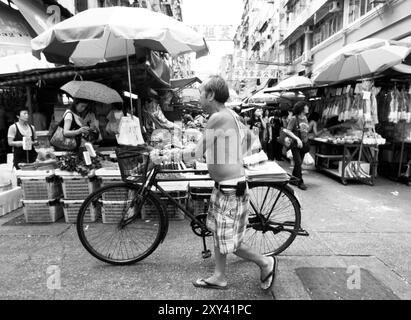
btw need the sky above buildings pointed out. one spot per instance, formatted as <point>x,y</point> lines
<point>212,12</point>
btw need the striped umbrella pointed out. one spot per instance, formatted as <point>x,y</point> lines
<point>291,83</point>
<point>114,33</point>
<point>107,34</point>
<point>361,59</point>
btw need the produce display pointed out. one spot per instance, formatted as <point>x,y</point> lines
<point>351,136</point>
<point>74,162</point>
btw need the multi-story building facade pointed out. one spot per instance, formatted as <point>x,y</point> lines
<point>314,29</point>
<point>180,66</point>
<point>257,55</point>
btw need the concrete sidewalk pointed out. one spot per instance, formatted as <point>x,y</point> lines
<point>354,225</point>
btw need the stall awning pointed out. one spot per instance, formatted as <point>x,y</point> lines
<point>142,75</point>
<point>182,83</point>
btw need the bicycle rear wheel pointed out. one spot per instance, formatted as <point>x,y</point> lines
<point>274,218</point>
<point>103,233</point>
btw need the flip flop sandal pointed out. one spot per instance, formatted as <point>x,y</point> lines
<point>272,274</point>
<point>201,283</point>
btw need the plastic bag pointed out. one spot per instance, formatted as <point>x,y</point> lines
<point>308,160</point>
<point>130,132</point>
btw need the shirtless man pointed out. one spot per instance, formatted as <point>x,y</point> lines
<point>228,210</point>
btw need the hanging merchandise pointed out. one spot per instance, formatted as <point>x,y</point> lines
<point>130,131</point>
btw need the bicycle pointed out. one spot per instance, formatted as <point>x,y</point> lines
<point>115,226</point>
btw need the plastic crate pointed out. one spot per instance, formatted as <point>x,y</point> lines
<point>113,196</point>
<point>172,211</point>
<point>78,188</point>
<point>112,211</point>
<point>41,188</point>
<point>42,211</point>
<point>72,207</point>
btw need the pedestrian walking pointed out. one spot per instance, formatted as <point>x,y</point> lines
<point>228,210</point>
<point>276,125</point>
<point>22,137</point>
<point>297,129</point>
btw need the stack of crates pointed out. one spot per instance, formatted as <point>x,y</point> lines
<point>41,197</point>
<point>76,189</point>
<point>113,204</point>
<point>199,193</point>
<point>179,193</point>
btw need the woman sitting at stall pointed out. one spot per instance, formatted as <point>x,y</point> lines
<point>313,120</point>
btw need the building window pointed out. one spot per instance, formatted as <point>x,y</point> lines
<point>328,27</point>
<point>81,5</point>
<point>358,8</point>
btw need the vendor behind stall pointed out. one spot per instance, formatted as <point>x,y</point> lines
<point>22,137</point>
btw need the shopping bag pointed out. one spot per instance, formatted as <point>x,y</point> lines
<point>62,142</point>
<point>129,132</point>
<point>308,160</point>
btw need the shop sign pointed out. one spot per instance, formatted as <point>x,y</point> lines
<point>216,32</point>
<point>239,74</point>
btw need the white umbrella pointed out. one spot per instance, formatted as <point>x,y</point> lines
<point>294,82</point>
<point>361,59</point>
<point>23,62</point>
<point>107,34</point>
<point>113,33</point>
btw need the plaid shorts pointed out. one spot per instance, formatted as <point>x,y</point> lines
<point>227,218</point>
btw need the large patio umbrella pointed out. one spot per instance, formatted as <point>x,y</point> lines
<point>291,83</point>
<point>360,60</point>
<point>113,33</point>
<point>107,34</point>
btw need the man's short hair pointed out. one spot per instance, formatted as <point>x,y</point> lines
<point>219,87</point>
<point>19,110</point>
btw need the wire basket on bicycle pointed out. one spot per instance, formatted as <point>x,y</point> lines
<point>134,163</point>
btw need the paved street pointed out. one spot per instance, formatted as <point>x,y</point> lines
<point>354,225</point>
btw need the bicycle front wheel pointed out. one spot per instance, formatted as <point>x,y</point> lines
<point>102,229</point>
<point>274,218</point>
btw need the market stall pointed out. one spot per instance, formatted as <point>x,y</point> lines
<point>356,101</point>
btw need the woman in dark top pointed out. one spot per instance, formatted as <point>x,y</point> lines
<point>276,125</point>
<point>17,131</point>
<point>298,130</point>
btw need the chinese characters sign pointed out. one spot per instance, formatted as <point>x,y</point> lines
<point>252,73</point>
<point>216,32</point>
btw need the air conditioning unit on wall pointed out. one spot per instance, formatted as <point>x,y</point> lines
<point>375,2</point>
<point>335,7</point>
<point>307,58</point>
